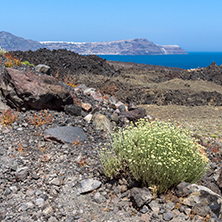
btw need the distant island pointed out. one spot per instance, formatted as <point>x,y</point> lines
<point>137,46</point>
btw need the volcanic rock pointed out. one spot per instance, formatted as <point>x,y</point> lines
<point>135,114</point>
<point>21,173</point>
<point>67,134</point>
<point>88,185</point>
<point>201,209</point>
<point>43,69</point>
<point>31,91</point>
<point>86,106</point>
<point>141,196</point>
<point>102,122</point>
<point>73,110</point>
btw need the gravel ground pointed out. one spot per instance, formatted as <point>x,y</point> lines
<point>50,173</point>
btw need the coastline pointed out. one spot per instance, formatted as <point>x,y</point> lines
<point>191,60</point>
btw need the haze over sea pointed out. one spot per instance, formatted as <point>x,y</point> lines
<point>190,61</point>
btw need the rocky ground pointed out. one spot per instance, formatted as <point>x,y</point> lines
<point>130,82</point>
<point>45,176</point>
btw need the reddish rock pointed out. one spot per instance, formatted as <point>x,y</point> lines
<point>145,218</point>
<point>31,91</point>
<point>97,96</point>
<point>86,106</point>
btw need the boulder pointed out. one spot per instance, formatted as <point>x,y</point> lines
<point>43,69</point>
<point>30,91</point>
<point>201,199</point>
<point>73,110</point>
<point>102,122</point>
<point>140,196</point>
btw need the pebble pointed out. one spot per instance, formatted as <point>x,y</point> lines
<point>88,185</point>
<point>39,201</point>
<point>21,173</point>
<point>168,216</point>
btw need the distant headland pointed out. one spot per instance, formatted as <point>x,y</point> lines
<point>138,46</point>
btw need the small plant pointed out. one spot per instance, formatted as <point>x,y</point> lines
<point>9,56</point>
<point>67,81</point>
<point>72,84</point>
<point>158,154</point>
<point>82,162</point>
<point>8,117</point>
<point>20,148</point>
<point>17,62</point>
<point>76,142</point>
<point>8,63</point>
<point>40,119</point>
<point>27,63</point>
<point>11,60</point>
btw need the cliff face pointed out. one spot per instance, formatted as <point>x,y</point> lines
<point>172,49</point>
<point>122,47</point>
<point>138,46</point>
<point>11,42</point>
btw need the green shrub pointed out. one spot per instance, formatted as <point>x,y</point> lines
<point>157,153</point>
<point>27,63</point>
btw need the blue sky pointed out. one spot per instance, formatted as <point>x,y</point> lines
<point>195,25</point>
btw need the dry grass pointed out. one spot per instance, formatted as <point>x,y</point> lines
<point>190,85</point>
<point>39,119</point>
<point>8,117</point>
<point>11,60</point>
<point>204,121</point>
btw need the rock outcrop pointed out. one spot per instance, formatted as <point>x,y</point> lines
<point>30,91</point>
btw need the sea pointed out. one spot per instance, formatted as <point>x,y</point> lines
<point>191,60</point>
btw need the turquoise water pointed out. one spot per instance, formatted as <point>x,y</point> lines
<point>190,61</point>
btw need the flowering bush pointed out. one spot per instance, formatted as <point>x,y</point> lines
<point>156,153</point>
<point>2,51</point>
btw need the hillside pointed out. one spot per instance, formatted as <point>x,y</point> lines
<point>131,82</point>
<point>11,42</point>
<point>123,47</point>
